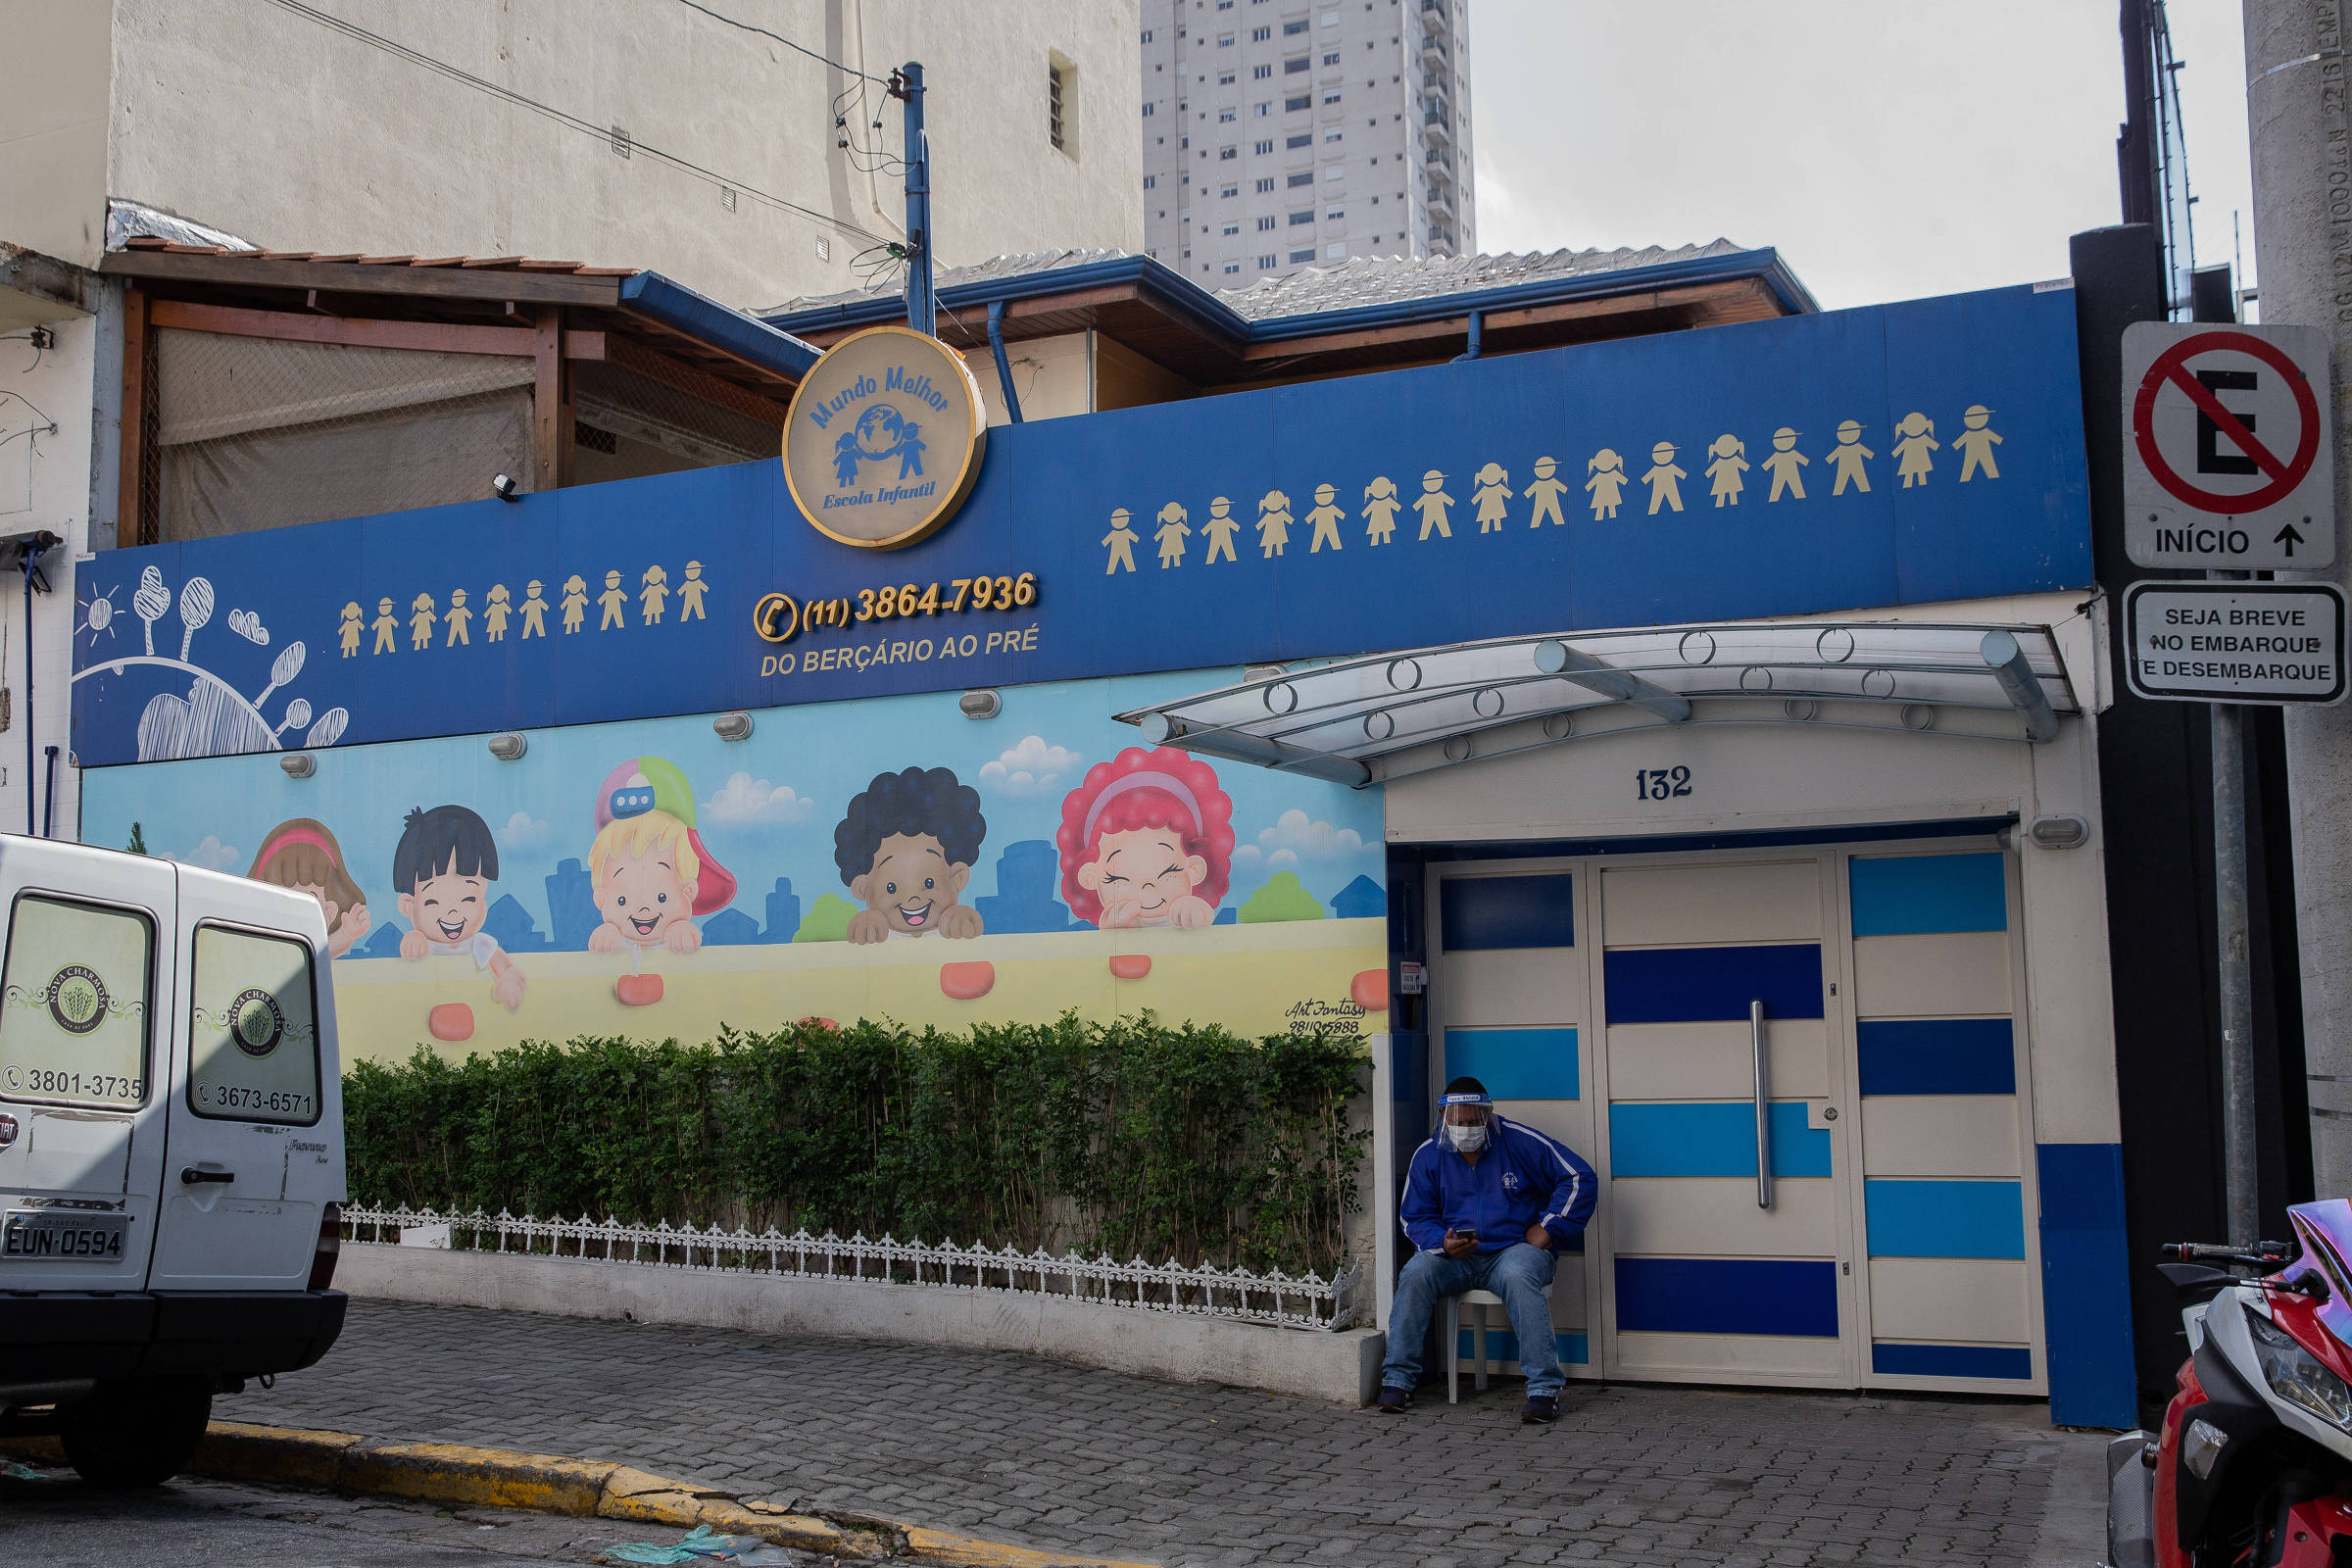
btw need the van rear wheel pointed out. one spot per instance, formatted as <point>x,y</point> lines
<point>137,1431</point>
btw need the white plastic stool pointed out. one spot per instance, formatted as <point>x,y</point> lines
<point>1482,1299</point>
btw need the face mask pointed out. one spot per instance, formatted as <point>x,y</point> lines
<point>1467,1139</point>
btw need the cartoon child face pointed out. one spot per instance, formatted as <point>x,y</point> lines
<point>1145,868</point>
<point>1976,416</point>
<point>350,611</point>
<point>1323,495</point>
<point>1219,507</point>
<point>1664,452</point>
<point>1431,480</point>
<point>384,607</point>
<point>1784,439</point>
<point>1848,431</point>
<point>911,884</point>
<point>446,906</point>
<point>612,579</point>
<point>326,900</point>
<point>642,896</point>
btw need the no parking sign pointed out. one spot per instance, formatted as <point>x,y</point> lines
<point>2228,450</point>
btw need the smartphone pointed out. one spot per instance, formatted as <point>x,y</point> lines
<point>1467,1234</point>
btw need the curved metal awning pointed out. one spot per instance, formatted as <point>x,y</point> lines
<point>1361,720</point>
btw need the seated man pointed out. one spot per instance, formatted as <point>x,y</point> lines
<point>1486,1204</point>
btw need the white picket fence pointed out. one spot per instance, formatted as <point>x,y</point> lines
<point>1287,1300</point>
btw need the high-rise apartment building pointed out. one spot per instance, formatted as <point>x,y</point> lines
<point>1285,133</point>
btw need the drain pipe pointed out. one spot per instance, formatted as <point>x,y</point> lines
<point>48,784</point>
<point>1477,331</point>
<point>996,346</point>
<point>27,548</point>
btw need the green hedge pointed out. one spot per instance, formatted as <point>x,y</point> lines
<point>1135,1138</point>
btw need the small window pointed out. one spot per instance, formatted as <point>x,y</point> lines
<point>1224,40</point>
<point>1269,261</point>
<point>1331,97</point>
<point>1306,217</point>
<point>1263,111</point>
<point>1225,116</point>
<point>253,1038</point>
<point>1224,153</point>
<point>1263,147</point>
<point>1233,229</point>
<point>73,1029</point>
<point>1148,108</point>
<point>1332,59</point>
<point>1332,215</point>
<point>1266,184</point>
<point>1292,67</point>
<point>1224,78</point>
<point>1146,35</point>
<point>1260,73</point>
<point>1305,99</point>
<point>1062,105</point>
<point>1232,267</point>
<point>1229,190</point>
<point>1307,255</point>
<point>1305,177</point>
<point>1336,136</point>
<point>1265,225</point>
<point>1291,29</point>
<point>1151,182</point>
<point>1261,34</point>
<point>1305,138</point>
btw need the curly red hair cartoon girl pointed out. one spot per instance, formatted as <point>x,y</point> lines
<point>1146,840</point>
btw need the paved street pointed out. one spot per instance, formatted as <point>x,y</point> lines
<point>60,1523</point>
<point>1024,1450</point>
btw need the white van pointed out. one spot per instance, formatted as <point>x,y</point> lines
<point>171,1148</point>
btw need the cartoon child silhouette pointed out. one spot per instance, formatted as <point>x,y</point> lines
<point>442,872</point>
<point>911,451</point>
<point>651,869</point>
<point>1974,443</point>
<point>1608,482</point>
<point>905,848</point>
<point>1847,457</point>
<point>1786,466</point>
<point>302,854</point>
<point>387,628</point>
<point>1146,840</point>
<point>534,609</point>
<point>1273,523</point>
<point>1171,533</point>
<point>1324,520</point>
<point>1546,493</point>
<point>1492,493</point>
<point>1122,541</point>
<point>615,600</point>
<point>689,593</point>
<point>1220,528</point>
<point>1913,458</point>
<point>1380,507</point>
<point>1730,455</point>
<point>493,614</point>
<point>845,458</point>
<point>1433,503</point>
<point>1664,478</point>
<point>458,618</point>
<point>656,583</point>
<point>352,630</point>
<point>420,623</point>
<point>575,604</point>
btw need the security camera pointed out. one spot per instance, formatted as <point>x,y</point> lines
<point>503,487</point>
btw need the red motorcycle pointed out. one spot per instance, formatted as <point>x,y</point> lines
<point>2253,1469</point>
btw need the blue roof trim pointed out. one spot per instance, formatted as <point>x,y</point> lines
<point>722,326</point>
<point>1185,298</point>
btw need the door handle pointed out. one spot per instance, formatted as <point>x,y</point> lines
<point>1756,1040</point>
<point>190,1176</point>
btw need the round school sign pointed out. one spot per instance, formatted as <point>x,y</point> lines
<point>884,438</point>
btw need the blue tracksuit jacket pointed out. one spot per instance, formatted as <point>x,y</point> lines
<point>1522,1178</point>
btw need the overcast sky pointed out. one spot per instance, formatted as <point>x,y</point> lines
<point>1888,148</point>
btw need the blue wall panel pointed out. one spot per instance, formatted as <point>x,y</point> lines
<point>1706,985</point>
<point>1951,1360</point>
<point>1727,1295</point>
<point>1515,1064</point>
<point>1904,894</point>
<point>1712,1139</point>
<point>1944,1219</point>
<point>1938,1056</point>
<point>2085,1285</point>
<point>1480,913</point>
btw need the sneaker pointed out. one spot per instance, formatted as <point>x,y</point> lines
<point>1540,1409</point>
<point>1394,1401</point>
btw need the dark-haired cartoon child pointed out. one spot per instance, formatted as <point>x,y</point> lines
<point>442,872</point>
<point>652,871</point>
<point>302,854</point>
<point>906,849</point>
<point>1147,839</point>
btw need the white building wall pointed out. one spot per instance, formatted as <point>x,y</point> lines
<point>1360,158</point>
<point>268,123</point>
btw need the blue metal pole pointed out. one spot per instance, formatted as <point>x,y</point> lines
<point>996,346</point>
<point>923,300</point>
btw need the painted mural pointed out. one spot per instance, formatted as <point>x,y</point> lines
<point>882,858</point>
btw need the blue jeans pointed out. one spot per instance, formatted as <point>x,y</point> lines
<point>1519,1273</point>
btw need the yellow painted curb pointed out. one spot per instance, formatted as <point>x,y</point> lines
<point>542,1482</point>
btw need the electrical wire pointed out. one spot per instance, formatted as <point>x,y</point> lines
<point>780,38</point>
<point>334,24</point>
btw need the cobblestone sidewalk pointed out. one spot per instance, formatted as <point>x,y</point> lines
<point>1025,1449</point>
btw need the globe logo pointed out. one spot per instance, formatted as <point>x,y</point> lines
<point>880,431</point>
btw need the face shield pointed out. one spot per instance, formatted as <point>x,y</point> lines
<point>1467,1120</point>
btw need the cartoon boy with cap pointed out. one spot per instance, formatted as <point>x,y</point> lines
<point>651,869</point>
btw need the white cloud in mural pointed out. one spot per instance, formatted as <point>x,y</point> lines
<point>211,854</point>
<point>1252,855</point>
<point>1297,836</point>
<point>523,831</point>
<point>745,799</point>
<point>1033,767</point>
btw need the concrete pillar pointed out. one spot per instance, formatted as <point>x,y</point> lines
<point>2297,108</point>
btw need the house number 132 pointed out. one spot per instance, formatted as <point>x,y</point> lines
<point>1660,783</point>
